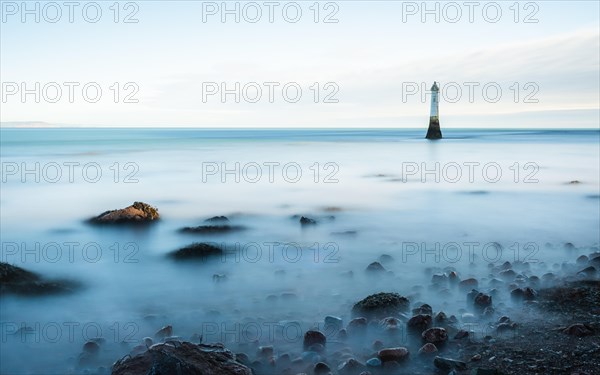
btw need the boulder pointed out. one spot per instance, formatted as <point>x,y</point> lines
<point>419,322</point>
<point>381,305</point>
<point>314,337</point>
<point>199,251</point>
<point>398,354</point>
<point>138,212</point>
<point>435,335</point>
<point>16,280</point>
<point>181,358</point>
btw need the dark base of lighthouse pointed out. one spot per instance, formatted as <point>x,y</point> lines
<point>434,131</point>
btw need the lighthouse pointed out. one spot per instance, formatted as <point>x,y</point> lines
<point>434,131</point>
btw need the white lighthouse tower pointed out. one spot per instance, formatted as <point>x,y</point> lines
<point>434,131</point>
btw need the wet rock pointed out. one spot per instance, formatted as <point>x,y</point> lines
<point>582,260</point>
<point>506,327</point>
<point>217,219</point>
<point>199,251</point>
<point>398,354</point>
<point>212,229</point>
<point>265,351</point>
<point>163,333</point>
<point>357,326</point>
<point>428,349</point>
<point>183,358</point>
<point>351,367</point>
<point>481,301</point>
<point>390,324</point>
<point>461,334</point>
<point>314,337</point>
<point>423,309</point>
<point>419,323</point>
<point>507,275</point>
<point>333,322</point>
<point>375,267</point>
<point>219,278</point>
<point>523,294</point>
<point>374,362</point>
<point>307,221</point>
<point>138,212</point>
<point>91,347</point>
<point>435,335</point>
<point>578,330</point>
<point>381,305</point>
<point>468,284</point>
<point>321,369</point>
<point>448,364</point>
<point>16,280</point>
<point>588,271</point>
<point>440,317</point>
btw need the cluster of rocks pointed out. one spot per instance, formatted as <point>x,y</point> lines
<point>18,281</point>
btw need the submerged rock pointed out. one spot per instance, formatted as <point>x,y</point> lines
<point>183,358</point>
<point>307,221</point>
<point>197,251</point>
<point>212,229</point>
<point>375,267</point>
<point>313,337</point>
<point>16,280</point>
<point>138,212</point>
<point>381,305</point>
<point>448,364</point>
<point>217,219</point>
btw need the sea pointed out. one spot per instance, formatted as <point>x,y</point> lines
<point>475,199</point>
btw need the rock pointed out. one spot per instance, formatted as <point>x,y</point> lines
<point>523,294</point>
<point>578,330</point>
<point>468,284</point>
<point>461,334</point>
<point>357,325</point>
<point>390,324</point>
<point>428,349</point>
<point>265,351</point>
<point>314,337</point>
<point>164,332</point>
<point>440,317</point>
<point>398,354</point>
<point>307,221</point>
<point>138,212</point>
<point>507,275</point>
<point>183,358</point>
<point>333,322</point>
<point>212,229</point>
<point>375,267</point>
<point>423,309</point>
<point>198,251</point>
<point>321,369</point>
<point>588,271</point>
<point>351,367</point>
<point>16,280</point>
<point>91,347</point>
<point>485,371</point>
<point>448,364</point>
<point>217,219</point>
<point>482,301</point>
<point>419,322</point>
<point>381,305</point>
<point>435,335</point>
<point>373,362</point>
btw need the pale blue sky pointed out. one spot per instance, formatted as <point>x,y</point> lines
<point>370,54</point>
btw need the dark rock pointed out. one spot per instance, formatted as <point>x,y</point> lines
<point>482,301</point>
<point>314,337</point>
<point>91,347</point>
<point>578,330</point>
<point>212,229</point>
<point>428,349</point>
<point>321,369</point>
<point>390,324</point>
<point>381,305</point>
<point>468,284</point>
<point>183,358</point>
<point>385,258</point>
<point>461,334</point>
<point>448,364</point>
<point>197,251</point>
<point>138,212</point>
<point>164,332</point>
<point>375,267</point>
<point>16,280</point>
<point>419,322</point>
<point>307,221</point>
<point>351,367</point>
<point>217,219</point>
<point>435,335</point>
<point>523,294</point>
<point>485,371</point>
<point>423,309</point>
<point>357,325</point>
<point>398,354</point>
<point>588,271</point>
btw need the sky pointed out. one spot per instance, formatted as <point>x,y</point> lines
<point>504,64</point>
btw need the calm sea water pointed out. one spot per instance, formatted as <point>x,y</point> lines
<point>427,204</point>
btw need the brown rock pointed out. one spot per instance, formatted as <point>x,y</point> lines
<point>398,354</point>
<point>435,335</point>
<point>138,212</point>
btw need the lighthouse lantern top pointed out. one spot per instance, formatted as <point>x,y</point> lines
<point>435,87</point>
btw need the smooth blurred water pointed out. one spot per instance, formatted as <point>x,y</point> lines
<point>363,180</point>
